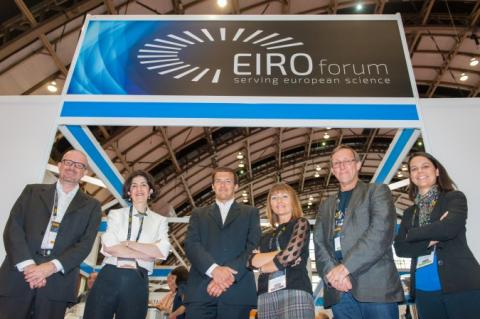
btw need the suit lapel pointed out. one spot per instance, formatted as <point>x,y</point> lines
<point>358,195</point>
<point>47,194</point>
<point>233,213</point>
<point>78,201</point>
<point>214,213</point>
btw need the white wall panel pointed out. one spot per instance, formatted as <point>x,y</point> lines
<point>451,134</point>
<point>27,130</point>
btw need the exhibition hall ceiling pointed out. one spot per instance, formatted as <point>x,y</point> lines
<point>38,37</point>
<point>38,40</point>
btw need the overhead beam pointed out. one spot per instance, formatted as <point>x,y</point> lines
<point>43,38</point>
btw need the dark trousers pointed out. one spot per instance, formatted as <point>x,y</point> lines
<point>33,305</point>
<point>119,292</point>
<point>216,310</point>
<point>439,305</point>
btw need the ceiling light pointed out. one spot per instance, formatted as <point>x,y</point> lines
<point>310,198</point>
<point>463,77</point>
<point>52,87</point>
<point>317,174</point>
<point>244,194</point>
<point>324,143</point>
<point>328,128</point>
<point>326,136</point>
<point>318,168</point>
<point>400,174</point>
<point>419,143</point>
<point>473,62</point>
<point>222,3</point>
<point>245,200</point>
<point>404,167</point>
<point>359,7</point>
<point>240,155</point>
<point>241,164</point>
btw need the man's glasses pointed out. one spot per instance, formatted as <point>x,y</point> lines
<point>70,163</point>
<point>337,164</point>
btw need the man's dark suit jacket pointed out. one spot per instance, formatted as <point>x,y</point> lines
<point>24,233</point>
<point>230,244</point>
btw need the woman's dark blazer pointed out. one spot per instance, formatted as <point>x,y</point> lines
<point>458,269</point>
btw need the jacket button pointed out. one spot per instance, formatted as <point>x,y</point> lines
<point>440,262</point>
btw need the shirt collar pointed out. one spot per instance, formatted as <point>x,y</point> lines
<point>137,213</point>
<point>71,193</point>
<point>228,203</point>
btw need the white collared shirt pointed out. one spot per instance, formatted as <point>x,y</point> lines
<point>224,208</point>
<point>154,231</point>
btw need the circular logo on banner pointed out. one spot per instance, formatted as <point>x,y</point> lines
<point>176,54</point>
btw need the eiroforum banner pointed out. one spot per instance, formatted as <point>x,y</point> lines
<point>202,56</point>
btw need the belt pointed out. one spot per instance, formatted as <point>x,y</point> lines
<point>44,252</point>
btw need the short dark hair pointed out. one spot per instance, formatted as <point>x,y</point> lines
<point>181,275</point>
<point>150,182</point>
<point>345,147</point>
<point>444,182</point>
<point>223,169</point>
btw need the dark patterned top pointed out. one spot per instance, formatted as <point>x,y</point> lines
<point>293,239</point>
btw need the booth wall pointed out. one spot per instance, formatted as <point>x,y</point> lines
<point>27,129</point>
<point>451,133</point>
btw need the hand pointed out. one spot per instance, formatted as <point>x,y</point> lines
<point>223,276</point>
<point>345,285</point>
<point>36,275</point>
<point>432,243</point>
<point>172,316</point>
<point>214,289</point>
<point>336,277</point>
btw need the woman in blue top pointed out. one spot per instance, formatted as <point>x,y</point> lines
<point>445,276</point>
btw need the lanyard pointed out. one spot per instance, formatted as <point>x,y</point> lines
<point>130,216</point>
<point>55,205</point>
<point>276,235</point>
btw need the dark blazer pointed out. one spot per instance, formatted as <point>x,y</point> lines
<point>368,232</point>
<point>24,233</point>
<point>230,244</point>
<point>457,267</point>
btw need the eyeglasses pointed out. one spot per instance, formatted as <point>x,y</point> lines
<point>337,164</point>
<point>71,163</point>
<point>223,181</point>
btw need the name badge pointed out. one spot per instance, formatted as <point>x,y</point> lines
<point>337,244</point>
<point>426,260</point>
<point>277,280</point>
<point>126,263</point>
<point>54,227</point>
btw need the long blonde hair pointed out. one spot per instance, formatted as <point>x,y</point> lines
<point>296,207</point>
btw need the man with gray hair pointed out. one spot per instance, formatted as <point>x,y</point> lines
<point>353,239</point>
<point>50,231</point>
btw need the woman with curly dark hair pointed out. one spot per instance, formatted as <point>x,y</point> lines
<point>134,238</point>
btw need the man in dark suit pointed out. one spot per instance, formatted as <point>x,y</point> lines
<point>353,245</point>
<point>220,238</point>
<point>50,231</point>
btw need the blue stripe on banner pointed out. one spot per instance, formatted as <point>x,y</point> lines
<point>241,110</point>
<point>92,151</point>
<point>394,154</point>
